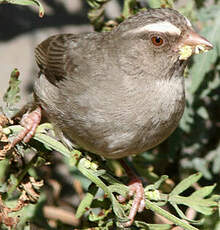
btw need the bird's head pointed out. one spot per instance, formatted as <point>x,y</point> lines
<point>160,39</point>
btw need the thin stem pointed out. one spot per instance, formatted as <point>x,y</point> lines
<point>168,216</point>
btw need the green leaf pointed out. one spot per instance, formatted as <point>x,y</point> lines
<point>157,184</point>
<point>52,143</point>
<point>216,162</point>
<point>203,192</point>
<point>203,113</point>
<point>183,216</point>
<point>129,8</point>
<point>204,206</point>
<point>143,225</point>
<point>84,167</point>
<point>118,210</point>
<point>185,184</point>
<point>94,217</point>
<point>27,2</point>
<point>87,200</point>
<point>203,63</point>
<point>110,179</point>
<point>154,3</point>
<point>187,119</point>
<point>11,97</point>
<point>166,3</point>
<point>150,205</point>
<point>201,165</point>
<point>119,188</point>
<point>96,3</point>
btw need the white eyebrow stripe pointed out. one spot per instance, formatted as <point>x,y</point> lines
<point>164,27</point>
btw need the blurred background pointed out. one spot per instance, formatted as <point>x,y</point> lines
<point>22,30</point>
<point>194,146</point>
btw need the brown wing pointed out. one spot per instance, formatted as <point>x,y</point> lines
<point>52,56</point>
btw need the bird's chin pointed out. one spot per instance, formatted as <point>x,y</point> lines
<point>178,68</point>
<point>182,64</point>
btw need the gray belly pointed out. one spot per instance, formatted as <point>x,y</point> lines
<point>119,128</point>
<point>115,138</point>
<point>114,125</point>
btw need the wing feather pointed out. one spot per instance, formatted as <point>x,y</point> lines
<point>52,56</point>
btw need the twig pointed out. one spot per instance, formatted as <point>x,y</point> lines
<point>65,216</point>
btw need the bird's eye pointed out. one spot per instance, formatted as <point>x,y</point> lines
<point>157,41</point>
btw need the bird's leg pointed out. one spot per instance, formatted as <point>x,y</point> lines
<point>29,121</point>
<point>135,189</point>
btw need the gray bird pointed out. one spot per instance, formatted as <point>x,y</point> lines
<point>116,93</point>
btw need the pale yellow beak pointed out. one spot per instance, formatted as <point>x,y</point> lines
<point>193,43</point>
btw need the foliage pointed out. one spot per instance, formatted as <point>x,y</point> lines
<point>193,147</point>
<point>26,2</point>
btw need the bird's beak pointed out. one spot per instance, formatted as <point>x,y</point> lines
<point>193,43</point>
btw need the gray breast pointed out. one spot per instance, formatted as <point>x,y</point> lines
<point>123,121</point>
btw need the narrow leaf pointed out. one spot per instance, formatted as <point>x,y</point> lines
<point>183,216</point>
<point>118,210</point>
<point>143,225</point>
<point>201,165</point>
<point>185,184</point>
<point>87,200</point>
<point>52,143</point>
<point>204,206</point>
<point>119,188</point>
<point>203,192</point>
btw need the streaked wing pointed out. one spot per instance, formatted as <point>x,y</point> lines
<point>53,57</point>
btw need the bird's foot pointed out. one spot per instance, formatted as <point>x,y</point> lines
<point>29,121</point>
<point>136,189</point>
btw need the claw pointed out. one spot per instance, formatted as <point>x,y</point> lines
<point>138,205</point>
<point>136,189</point>
<point>29,121</point>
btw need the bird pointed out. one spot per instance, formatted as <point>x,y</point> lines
<point>116,93</point>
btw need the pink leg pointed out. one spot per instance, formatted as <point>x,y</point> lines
<point>29,121</point>
<point>135,189</point>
